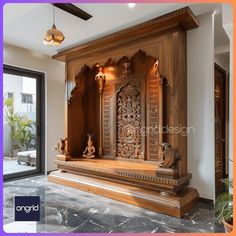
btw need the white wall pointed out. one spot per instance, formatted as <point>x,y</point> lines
<point>220,62</point>
<point>200,73</point>
<point>54,83</point>
<point>227,21</point>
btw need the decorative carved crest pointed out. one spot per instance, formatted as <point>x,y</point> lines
<point>126,70</point>
<point>129,72</point>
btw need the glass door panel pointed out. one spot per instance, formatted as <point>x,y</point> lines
<point>21,123</point>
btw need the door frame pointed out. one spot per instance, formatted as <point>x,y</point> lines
<point>226,116</point>
<point>40,119</point>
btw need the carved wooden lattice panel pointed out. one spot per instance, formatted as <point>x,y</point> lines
<point>129,122</point>
<point>153,118</point>
<point>107,119</point>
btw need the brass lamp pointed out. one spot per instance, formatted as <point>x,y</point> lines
<point>54,36</point>
<point>100,79</point>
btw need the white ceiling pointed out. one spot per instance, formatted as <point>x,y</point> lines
<point>221,41</point>
<point>221,38</point>
<point>25,24</point>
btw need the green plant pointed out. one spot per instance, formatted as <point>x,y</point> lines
<point>21,128</point>
<point>224,204</point>
<point>12,120</point>
<point>26,134</point>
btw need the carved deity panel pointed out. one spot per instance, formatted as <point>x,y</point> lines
<point>129,122</point>
<point>130,107</point>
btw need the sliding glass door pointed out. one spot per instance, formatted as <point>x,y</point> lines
<point>23,122</point>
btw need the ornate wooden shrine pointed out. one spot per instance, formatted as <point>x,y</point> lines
<point>128,91</point>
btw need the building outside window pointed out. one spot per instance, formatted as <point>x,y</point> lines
<point>26,98</point>
<point>10,95</point>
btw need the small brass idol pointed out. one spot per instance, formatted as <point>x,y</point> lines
<point>90,149</point>
<point>62,148</point>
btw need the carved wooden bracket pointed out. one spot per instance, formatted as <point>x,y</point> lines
<point>171,156</point>
<point>168,165</point>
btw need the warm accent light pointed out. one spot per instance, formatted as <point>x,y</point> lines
<point>131,5</point>
<point>156,67</point>
<point>156,62</point>
<point>53,36</point>
<point>101,79</point>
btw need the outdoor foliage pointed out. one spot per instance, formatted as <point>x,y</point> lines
<point>21,128</point>
<point>224,204</point>
<point>12,119</point>
<point>25,130</point>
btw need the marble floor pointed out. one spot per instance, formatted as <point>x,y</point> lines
<point>11,166</point>
<point>64,209</point>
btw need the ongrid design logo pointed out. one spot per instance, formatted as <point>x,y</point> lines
<point>27,208</point>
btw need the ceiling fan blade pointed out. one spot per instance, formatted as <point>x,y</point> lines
<point>72,9</point>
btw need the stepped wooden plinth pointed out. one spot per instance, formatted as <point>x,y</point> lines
<point>129,182</point>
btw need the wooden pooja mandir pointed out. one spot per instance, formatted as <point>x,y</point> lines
<point>128,90</point>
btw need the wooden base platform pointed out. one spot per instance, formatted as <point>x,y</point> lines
<point>136,173</point>
<point>142,197</point>
<point>126,181</point>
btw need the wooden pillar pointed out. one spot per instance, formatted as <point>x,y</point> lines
<point>100,78</point>
<point>179,95</point>
<point>100,151</point>
<point>161,115</point>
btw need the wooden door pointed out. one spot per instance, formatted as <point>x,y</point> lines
<point>220,135</point>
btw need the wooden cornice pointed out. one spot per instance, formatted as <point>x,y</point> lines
<point>183,17</point>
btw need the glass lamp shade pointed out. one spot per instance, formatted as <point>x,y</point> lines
<point>53,36</point>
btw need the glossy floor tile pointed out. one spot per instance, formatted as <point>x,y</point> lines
<point>65,209</point>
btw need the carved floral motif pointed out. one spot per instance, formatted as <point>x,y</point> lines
<point>129,122</point>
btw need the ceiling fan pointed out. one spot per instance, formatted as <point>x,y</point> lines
<point>74,10</point>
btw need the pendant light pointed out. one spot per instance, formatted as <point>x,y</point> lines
<point>53,37</point>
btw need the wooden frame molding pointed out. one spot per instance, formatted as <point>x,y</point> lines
<point>183,17</point>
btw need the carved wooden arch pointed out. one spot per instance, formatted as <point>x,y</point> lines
<point>139,62</point>
<point>84,101</point>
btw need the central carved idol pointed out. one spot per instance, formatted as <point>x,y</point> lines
<point>129,122</point>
